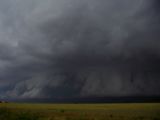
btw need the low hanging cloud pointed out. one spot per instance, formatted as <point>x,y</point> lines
<point>72,48</point>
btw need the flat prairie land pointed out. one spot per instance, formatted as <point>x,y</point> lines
<point>122,111</point>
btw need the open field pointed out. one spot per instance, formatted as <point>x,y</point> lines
<point>134,111</point>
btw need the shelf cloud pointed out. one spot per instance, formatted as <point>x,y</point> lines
<point>78,48</point>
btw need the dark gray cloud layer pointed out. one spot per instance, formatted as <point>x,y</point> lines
<point>70,48</point>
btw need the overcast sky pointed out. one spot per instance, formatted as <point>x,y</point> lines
<point>76,48</point>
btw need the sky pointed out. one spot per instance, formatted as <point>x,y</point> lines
<point>77,48</point>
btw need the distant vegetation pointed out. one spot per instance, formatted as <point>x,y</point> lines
<point>12,111</point>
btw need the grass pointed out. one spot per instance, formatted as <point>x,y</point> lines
<point>141,111</point>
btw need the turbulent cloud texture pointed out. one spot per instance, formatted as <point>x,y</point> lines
<point>73,48</point>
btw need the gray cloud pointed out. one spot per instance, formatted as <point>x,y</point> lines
<point>59,48</point>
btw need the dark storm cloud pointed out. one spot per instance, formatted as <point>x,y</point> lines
<point>59,48</point>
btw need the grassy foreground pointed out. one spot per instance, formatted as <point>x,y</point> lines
<point>141,111</point>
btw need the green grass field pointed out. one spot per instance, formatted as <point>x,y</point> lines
<point>141,111</point>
